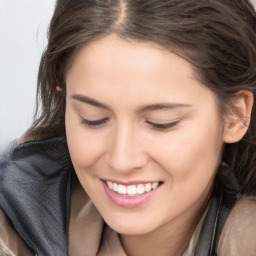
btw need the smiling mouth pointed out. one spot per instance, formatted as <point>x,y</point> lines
<point>132,190</point>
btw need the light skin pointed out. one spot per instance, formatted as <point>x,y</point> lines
<point>135,112</point>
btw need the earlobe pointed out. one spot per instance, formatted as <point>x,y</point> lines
<point>58,89</point>
<point>238,120</point>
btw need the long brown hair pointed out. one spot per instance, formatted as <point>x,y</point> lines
<point>218,37</point>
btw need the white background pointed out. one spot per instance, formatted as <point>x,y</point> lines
<point>23,26</point>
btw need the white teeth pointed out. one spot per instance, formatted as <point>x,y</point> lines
<point>121,189</point>
<point>115,187</point>
<point>140,189</point>
<point>148,187</point>
<point>132,190</point>
<point>154,185</point>
<point>110,184</point>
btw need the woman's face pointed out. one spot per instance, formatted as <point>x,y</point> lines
<point>139,123</point>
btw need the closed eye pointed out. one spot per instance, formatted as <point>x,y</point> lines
<point>94,123</point>
<point>164,126</point>
<point>101,122</point>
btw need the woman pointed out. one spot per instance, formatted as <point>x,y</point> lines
<point>145,144</point>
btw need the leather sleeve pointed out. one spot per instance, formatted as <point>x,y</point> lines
<point>35,187</point>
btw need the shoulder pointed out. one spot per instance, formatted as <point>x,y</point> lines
<point>30,153</point>
<point>26,168</point>
<point>19,161</point>
<point>10,242</point>
<point>238,235</point>
<point>35,148</point>
<point>35,192</point>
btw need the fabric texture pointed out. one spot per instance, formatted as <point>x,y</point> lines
<point>239,233</point>
<point>10,242</point>
<point>35,194</point>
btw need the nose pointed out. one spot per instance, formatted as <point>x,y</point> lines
<point>125,153</point>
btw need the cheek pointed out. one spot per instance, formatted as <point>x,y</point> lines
<point>192,155</point>
<point>190,163</point>
<point>84,147</point>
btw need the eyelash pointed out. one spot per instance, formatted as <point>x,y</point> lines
<point>101,122</point>
<point>163,127</point>
<point>94,124</point>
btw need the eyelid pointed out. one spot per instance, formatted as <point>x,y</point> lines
<point>94,123</point>
<point>101,122</point>
<point>163,126</point>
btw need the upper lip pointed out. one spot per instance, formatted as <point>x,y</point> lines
<point>135,182</point>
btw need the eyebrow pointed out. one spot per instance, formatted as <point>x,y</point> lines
<point>162,106</point>
<point>89,100</point>
<point>142,109</point>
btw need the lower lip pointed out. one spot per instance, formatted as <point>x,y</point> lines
<point>129,201</point>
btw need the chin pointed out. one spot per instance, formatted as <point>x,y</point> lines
<point>131,226</point>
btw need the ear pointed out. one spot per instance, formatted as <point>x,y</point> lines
<point>58,89</point>
<point>238,120</point>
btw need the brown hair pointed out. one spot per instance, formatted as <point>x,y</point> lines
<point>217,36</point>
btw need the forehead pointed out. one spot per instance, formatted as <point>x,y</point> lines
<point>113,66</point>
<point>110,50</point>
